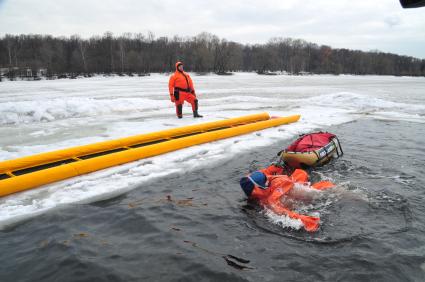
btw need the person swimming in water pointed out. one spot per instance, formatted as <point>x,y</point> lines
<point>268,186</point>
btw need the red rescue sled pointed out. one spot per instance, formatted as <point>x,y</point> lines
<point>311,150</point>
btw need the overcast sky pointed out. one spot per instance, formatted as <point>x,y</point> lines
<point>355,24</point>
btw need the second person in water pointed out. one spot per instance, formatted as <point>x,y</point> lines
<point>181,89</point>
<point>272,185</point>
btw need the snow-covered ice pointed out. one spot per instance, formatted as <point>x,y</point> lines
<point>42,116</point>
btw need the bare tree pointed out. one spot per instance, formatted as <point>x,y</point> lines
<point>204,52</point>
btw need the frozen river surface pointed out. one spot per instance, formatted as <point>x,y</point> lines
<point>120,224</point>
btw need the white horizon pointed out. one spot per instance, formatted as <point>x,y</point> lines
<point>362,25</point>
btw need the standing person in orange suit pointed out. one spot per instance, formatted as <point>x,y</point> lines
<point>181,89</point>
<point>268,186</point>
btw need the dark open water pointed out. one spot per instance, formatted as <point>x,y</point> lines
<point>184,227</point>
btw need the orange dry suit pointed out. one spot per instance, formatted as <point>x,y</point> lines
<point>181,89</point>
<point>268,190</point>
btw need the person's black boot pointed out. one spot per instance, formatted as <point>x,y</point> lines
<point>195,112</point>
<point>179,111</point>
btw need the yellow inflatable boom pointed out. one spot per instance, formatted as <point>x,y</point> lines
<point>33,171</point>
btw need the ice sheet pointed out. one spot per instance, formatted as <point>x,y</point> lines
<point>48,115</point>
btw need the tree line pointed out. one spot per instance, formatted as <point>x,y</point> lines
<point>144,53</point>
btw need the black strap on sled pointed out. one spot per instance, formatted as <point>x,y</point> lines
<point>339,151</point>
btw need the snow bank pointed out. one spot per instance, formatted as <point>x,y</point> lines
<point>48,115</point>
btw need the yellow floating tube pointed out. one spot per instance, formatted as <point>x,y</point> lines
<point>20,180</point>
<point>75,152</point>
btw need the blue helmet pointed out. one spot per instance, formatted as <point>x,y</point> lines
<point>257,178</point>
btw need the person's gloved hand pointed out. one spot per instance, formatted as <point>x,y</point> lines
<point>176,95</point>
<point>281,167</point>
<point>277,164</point>
<point>172,98</point>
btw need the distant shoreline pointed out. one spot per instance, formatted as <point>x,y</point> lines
<point>72,77</point>
<point>32,55</point>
